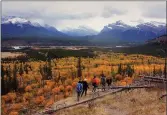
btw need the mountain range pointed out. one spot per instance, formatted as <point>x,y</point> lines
<point>119,31</point>
<point>17,27</point>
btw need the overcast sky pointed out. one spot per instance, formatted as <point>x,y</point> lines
<point>93,14</point>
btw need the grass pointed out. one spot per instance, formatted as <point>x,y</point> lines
<point>135,102</point>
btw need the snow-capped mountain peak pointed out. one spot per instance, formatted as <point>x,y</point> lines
<point>118,25</point>
<point>15,20</point>
<point>18,21</point>
<point>152,24</point>
<point>80,31</point>
<point>158,23</point>
<point>119,22</point>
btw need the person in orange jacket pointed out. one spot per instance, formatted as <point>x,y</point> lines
<point>94,84</point>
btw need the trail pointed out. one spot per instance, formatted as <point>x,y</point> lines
<point>72,101</point>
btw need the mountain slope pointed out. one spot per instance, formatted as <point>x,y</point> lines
<point>20,27</point>
<point>159,40</point>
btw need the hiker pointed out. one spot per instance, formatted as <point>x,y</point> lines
<point>109,81</point>
<point>94,84</point>
<point>79,89</point>
<point>103,82</point>
<point>85,87</point>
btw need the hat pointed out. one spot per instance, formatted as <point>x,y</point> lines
<point>85,79</point>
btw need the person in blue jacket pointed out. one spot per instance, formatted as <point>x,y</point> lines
<point>79,89</point>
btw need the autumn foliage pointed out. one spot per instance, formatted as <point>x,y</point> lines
<point>39,89</point>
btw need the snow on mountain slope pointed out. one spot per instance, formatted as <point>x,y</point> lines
<point>80,31</point>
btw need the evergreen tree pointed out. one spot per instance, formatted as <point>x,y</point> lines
<point>79,67</point>
<point>154,72</point>
<point>40,70</point>
<point>165,68</point>
<point>120,68</point>
<point>129,70</point>
<point>3,81</point>
<point>149,62</point>
<point>42,74</point>
<point>49,72</point>
<point>14,81</point>
<point>9,79</point>
<point>45,70</point>
<point>26,68</point>
<point>21,71</point>
<point>160,72</point>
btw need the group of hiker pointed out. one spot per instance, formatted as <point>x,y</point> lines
<point>82,86</point>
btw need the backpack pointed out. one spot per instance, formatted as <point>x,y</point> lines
<point>79,87</point>
<point>94,81</point>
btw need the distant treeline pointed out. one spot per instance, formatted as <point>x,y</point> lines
<point>51,53</point>
<point>45,41</point>
<point>147,49</point>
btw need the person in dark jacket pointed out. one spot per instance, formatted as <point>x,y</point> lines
<point>103,82</point>
<point>109,81</point>
<point>85,87</point>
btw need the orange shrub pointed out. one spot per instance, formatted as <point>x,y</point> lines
<point>123,83</point>
<point>28,88</point>
<point>4,110</point>
<point>66,94</point>
<point>39,99</point>
<point>55,90</point>
<point>50,83</point>
<point>12,96</point>
<point>26,103</point>
<point>35,85</point>
<point>68,88</point>
<point>128,80</point>
<point>6,98</point>
<point>13,113</point>
<point>68,82</point>
<point>27,96</point>
<point>16,106</point>
<point>47,88</point>
<point>61,87</point>
<point>49,103</point>
<point>118,77</point>
<point>46,81</point>
<point>40,91</point>
<point>74,84</point>
<point>76,80</point>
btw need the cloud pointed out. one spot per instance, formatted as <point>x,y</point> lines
<point>62,14</point>
<point>53,15</point>
<point>66,16</point>
<point>138,21</point>
<point>109,11</point>
<point>157,10</point>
